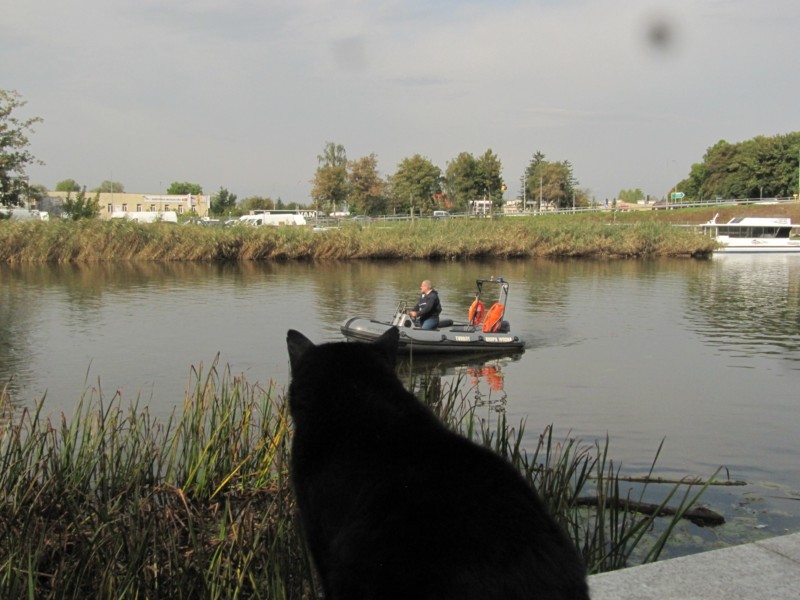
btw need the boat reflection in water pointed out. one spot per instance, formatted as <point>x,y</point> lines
<point>480,378</point>
<point>749,304</point>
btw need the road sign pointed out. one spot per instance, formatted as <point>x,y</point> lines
<point>677,195</point>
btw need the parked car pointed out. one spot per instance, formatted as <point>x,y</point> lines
<point>441,214</point>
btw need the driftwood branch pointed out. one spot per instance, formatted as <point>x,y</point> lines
<point>699,515</point>
<point>682,481</point>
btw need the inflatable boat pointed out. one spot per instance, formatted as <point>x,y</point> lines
<point>484,331</point>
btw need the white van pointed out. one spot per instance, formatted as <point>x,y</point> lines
<point>441,214</point>
<point>259,218</point>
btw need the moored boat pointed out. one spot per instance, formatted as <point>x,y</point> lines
<point>754,234</point>
<point>483,332</point>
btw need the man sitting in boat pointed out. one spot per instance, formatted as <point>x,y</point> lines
<point>427,310</point>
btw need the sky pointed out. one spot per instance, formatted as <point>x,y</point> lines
<point>244,94</point>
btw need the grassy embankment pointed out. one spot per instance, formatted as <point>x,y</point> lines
<point>590,235</point>
<point>112,503</point>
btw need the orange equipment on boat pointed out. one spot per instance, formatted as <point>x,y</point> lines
<point>476,312</point>
<point>494,318</point>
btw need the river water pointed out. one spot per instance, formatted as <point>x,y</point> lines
<point>704,355</point>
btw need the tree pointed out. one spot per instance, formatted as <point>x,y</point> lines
<point>14,154</point>
<point>367,188</point>
<point>37,193</point>
<point>414,184</point>
<point>468,178</point>
<point>257,203</point>
<point>461,180</point>
<point>330,187</point>
<point>107,186</point>
<point>490,181</point>
<point>762,167</point>
<point>177,188</point>
<point>631,196</point>
<point>222,202</point>
<point>68,185</point>
<point>552,182</point>
<point>81,207</point>
<point>531,185</point>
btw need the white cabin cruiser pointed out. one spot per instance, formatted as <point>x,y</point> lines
<point>754,234</point>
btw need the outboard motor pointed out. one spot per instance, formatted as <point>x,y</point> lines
<point>401,317</point>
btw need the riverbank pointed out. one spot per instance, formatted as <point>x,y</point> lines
<point>603,235</point>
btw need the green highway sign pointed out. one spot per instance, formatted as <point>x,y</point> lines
<point>677,195</point>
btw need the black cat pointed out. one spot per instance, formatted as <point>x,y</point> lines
<point>393,505</point>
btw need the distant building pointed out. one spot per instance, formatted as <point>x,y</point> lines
<point>116,202</point>
<point>513,206</point>
<point>480,207</point>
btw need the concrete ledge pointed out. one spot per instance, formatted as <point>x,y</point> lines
<point>765,569</point>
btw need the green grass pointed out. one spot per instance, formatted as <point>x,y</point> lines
<point>111,502</point>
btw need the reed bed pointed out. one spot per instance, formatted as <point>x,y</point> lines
<point>111,502</point>
<point>568,472</point>
<point>453,239</point>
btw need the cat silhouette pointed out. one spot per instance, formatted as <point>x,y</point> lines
<point>393,504</point>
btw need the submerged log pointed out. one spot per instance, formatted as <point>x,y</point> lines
<point>704,517</point>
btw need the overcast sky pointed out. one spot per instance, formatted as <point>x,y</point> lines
<point>244,94</point>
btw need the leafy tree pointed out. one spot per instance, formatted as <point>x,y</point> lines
<point>468,178</point>
<point>68,185</point>
<point>82,207</point>
<point>553,182</point>
<point>367,188</point>
<point>177,188</point>
<point>257,203</point>
<point>37,193</point>
<point>14,154</point>
<point>490,181</point>
<point>532,180</point>
<point>222,202</point>
<point>691,185</point>
<point>330,187</point>
<point>109,187</point>
<point>414,184</point>
<point>631,196</point>
<point>461,180</point>
<point>759,167</point>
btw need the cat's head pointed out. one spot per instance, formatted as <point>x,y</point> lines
<point>304,354</point>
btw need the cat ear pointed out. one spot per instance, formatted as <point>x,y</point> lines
<point>388,343</point>
<point>298,345</point>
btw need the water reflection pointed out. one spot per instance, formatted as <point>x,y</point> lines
<point>704,353</point>
<point>481,376</point>
<point>749,304</point>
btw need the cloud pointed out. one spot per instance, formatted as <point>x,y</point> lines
<point>244,94</point>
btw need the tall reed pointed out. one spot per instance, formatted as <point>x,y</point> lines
<point>454,239</point>
<point>112,502</point>
<point>564,471</point>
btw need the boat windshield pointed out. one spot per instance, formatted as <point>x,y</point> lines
<point>759,232</point>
